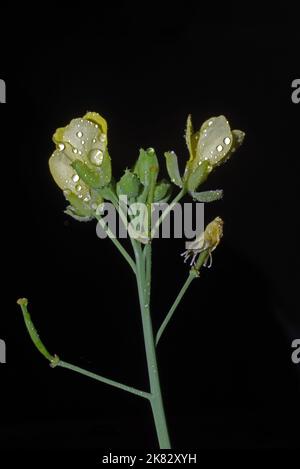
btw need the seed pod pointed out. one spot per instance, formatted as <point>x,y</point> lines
<point>23,302</point>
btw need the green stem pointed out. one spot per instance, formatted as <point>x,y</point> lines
<point>194,273</point>
<point>117,244</point>
<point>167,211</point>
<point>156,397</point>
<point>55,360</point>
<point>97,377</point>
<point>147,256</point>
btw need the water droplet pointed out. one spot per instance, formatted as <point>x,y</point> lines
<point>61,146</point>
<point>210,123</point>
<point>79,152</point>
<point>94,140</point>
<point>219,148</point>
<point>96,157</point>
<point>102,137</point>
<point>227,140</point>
<point>82,142</point>
<point>96,126</point>
<point>78,187</point>
<point>79,196</point>
<point>75,178</point>
<point>75,150</point>
<point>79,134</point>
<point>87,198</point>
<point>150,150</point>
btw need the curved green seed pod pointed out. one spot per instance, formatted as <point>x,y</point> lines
<point>172,168</point>
<point>23,302</point>
<point>129,184</point>
<point>207,196</point>
<point>198,176</point>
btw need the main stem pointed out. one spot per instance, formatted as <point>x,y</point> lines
<point>156,398</point>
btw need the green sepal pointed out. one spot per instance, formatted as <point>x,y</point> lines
<point>80,208</point>
<point>91,177</point>
<point>72,213</point>
<point>172,168</point>
<point>107,192</point>
<point>129,184</point>
<point>207,196</point>
<point>161,190</point>
<point>198,176</point>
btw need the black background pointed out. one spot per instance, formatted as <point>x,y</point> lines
<point>225,362</point>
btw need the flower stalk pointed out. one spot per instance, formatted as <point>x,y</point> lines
<point>81,167</point>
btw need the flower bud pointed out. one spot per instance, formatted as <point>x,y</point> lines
<point>212,145</point>
<point>129,184</point>
<point>81,162</point>
<point>147,167</point>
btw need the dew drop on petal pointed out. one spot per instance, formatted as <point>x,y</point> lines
<point>75,178</point>
<point>61,146</point>
<point>227,140</point>
<point>102,137</point>
<point>79,134</point>
<point>210,123</point>
<point>75,150</point>
<point>94,140</point>
<point>78,187</point>
<point>82,142</point>
<point>96,157</point>
<point>219,148</point>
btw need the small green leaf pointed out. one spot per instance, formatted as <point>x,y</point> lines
<point>172,168</point>
<point>207,196</point>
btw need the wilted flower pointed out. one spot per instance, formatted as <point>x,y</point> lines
<point>81,163</point>
<point>208,240</point>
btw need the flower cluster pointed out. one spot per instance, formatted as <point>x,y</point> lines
<point>81,167</point>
